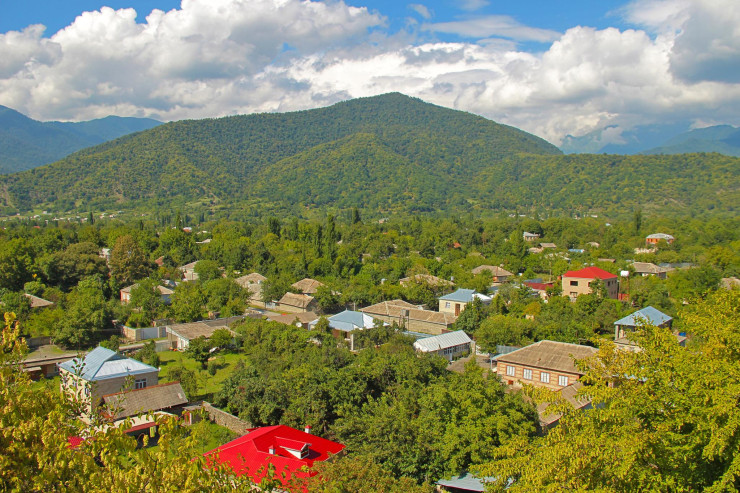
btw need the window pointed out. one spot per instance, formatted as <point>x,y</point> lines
<point>574,283</point>
<point>563,381</point>
<point>140,383</point>
<point>447,304</point>
<point>544,377</point>
<point>527,374</point>
<point>510,370</point>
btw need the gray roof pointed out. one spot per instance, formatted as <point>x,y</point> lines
<point>102,363</point>
<point>442,341</point>
<point>205,328</point>
<point>349,320</point>
<point>155,398</point>
<point>465,481</point>
<point>461,295</point>
<point>647,315</point>
<point>660,236</point>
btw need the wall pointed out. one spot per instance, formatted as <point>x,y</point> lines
<point>518,377</point>
<point>222,418</point>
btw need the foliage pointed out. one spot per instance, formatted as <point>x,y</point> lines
<point>663,419</point>
<point>128,262</point>
<point>200,350</point>
<point>88,314</point>
<point>188,302</point>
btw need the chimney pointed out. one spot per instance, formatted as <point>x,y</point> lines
<point>307,429</point>
<point>271,450</point>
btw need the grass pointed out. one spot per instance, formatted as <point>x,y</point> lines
<point>209,384</point>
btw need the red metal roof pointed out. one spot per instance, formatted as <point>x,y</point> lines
<point>590,273</point>
<point>539,286</point>
<point>250,454</point>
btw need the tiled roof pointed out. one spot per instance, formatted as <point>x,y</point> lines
<point>647,315</point>
<point>590,273</point>
<point>494,269</point>
<point>442,341</point>
<point>193,330</point>
<point>37,302</point>
<point>394,309</point>
<point>251,453</point>
<point>155,398</point>
<point>102,363</point>
<point>549,355</point>
<point>289,318</point>
<point>252,278</point>
<point>307,286</point>
<point>647,268</point>
<point>297,300</point>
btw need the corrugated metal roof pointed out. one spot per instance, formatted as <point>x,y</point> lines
<point>102,363</point>
<point>442,341</point>
<point>465,481</point>
<point>461,295</point>
<point>647,315</point>
<point>357,319</point>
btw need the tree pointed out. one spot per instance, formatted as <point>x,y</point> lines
<point>16,303</point>
<point>471,317</point>
<point>663,419</point>
<point>200,350</point>
<point>187,302</point>
<point>207,270</point>
<point>67,268</point>
<point>146,300</point>
<point>222,339</point>
<point>128,262</point>
<point>16,263</point>
<point>88,314</point>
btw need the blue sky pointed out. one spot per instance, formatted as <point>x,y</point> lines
<point>553,68</point>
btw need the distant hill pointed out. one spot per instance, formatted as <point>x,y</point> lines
<point>384,154</point>
<point>724,139</point>
<point>26,143</point>
<point>673,138</point>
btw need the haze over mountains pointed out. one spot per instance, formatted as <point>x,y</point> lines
<point>384,154</point>
<point>26,143</point>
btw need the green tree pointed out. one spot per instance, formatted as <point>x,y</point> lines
<point>471,317</point>
<point>146,300</point>
<point>88,314</point>
<point>207,270</point>
<point>188,301</point>
<point>67,268</point>
<point>128,262</point>
<point>663,419</point>
<point>200,350</point>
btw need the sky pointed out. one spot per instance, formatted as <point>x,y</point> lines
<point>553,68</point>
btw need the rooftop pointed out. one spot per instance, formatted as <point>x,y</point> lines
<point>464,296</point>
<point>590,273</point>
<point>646,316</point>
<point>297,300</point>
<point>138,401</point>
<point>442,341</point>
<point>550,355</point>
<point>102,363</point>
<point>307,285</point>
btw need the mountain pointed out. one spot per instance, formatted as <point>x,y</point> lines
<point>613,139</point>
<point>724,139</point>
<point>384,154</point>
<point>26,143</point>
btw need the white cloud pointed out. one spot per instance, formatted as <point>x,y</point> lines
<point>493,25</point>
<point>420,9</point>
<point>220,57</point>
<point>472,5</point>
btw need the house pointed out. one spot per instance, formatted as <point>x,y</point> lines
<point>499,273</point>
<point>451,345</point>
<point>646,316</point>
<point>456,302</point>
<point>547,364</point>
<point>530,236</point>
<point>188,272</point>
<point>298,319</point>
<point>307,286</point>
<point>729,283</point>
<point>656,238</point>
<point>433,281</point>
<point>348,321</point>
<point>291,452</point>
<point>168,397</point>
<point>38,303</point>
<point>645,269</point>
<point>549,418</point>
<point>102,372</point>
<point>297,303</point>
<point>165,294</point>
<point>548,245</point>
<point>539,287</point>
<point>464,483</point>
<point>578,282</point>
<point>180,335</point>
<point>253,283</point>
<point>411,317</point>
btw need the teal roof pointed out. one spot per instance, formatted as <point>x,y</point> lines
<point>466,481</point>
<point>647,315</point>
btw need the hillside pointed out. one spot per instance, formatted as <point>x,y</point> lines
<point>724,139</point>
<point>385,154</point>
<point>26,143</point>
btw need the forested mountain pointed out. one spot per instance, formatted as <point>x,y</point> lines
<point>724,139</point>
<point>383,154</point>
<point>26,143</point>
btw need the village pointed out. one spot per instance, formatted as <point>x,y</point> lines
<point>112,389</point>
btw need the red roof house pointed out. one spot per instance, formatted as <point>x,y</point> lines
<point>290,451</point>
<point>578,282</point>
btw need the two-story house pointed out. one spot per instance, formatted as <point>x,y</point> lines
<point>455,302</point>
<point>578,282</point>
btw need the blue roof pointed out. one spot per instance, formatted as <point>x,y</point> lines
<point>349,320</point>
<point>647,315</point>
<point>102,363</point>
<point>461,295</point>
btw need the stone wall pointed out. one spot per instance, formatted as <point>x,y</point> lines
<point>222,418</point>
